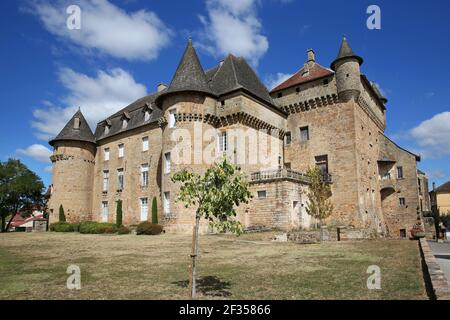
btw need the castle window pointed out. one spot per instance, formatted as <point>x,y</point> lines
<point>399,172</point>
<point>222,141</point>
<point>297,89</point>
<point>144,175</point>
<point>262,194</point>
<point>172,120</point>
<point>280,94</point>
<point>145,144</point>
<point>76,124</point>
<point>222,103</point>
<point>105,181</point>
<point>124,123</point>
<point>119,179</point>
<point>106,154</point>
<point>121,150</point>
<point>288,138</point>
<point>105,211</point>
<point>402,202</point>
<point>106,129</point>
<point>144,209</point>
<point>325,82</point>
<point>304,134</point>
<point>147,115</point>
<point>167,162</point>
<point>166,203</point>
<point>322,163</point>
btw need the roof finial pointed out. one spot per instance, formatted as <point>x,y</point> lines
<point>190,40</point>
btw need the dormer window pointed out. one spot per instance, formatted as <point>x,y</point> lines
<point>125,119</point>
<point>76,124</point>
<point>106,129</point>
<point>107,126</point>
<point>147,112</point>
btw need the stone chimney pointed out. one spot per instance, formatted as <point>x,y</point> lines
<point>161,87</point>
<point>434,186</point>
<point>311,57</point>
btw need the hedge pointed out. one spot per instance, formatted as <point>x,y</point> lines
<point>91,227</point>
<point>147,228</point>
<point>62,227</point>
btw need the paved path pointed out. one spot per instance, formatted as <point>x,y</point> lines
<point>442,253</point>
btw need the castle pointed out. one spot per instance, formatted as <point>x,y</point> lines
<point>330,117</point>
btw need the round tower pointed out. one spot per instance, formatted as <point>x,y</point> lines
<point>348,74</point>
<point>73,171</point>
<point>185,105</point>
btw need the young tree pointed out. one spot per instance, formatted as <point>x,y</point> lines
<point>215,194</point>
<point>154,211</point>
<point>119,213</point>
<point>62,216</point>
<point>319,206</point>
<point>20,189</point>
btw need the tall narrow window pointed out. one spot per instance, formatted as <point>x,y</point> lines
<point>105,181</point>
<point>144,209</point>
<point>121,150</point>
<point>147,115</point>
<point>106,154</point>
<point>399,172</point>
<point>304,134</point>
<point>144,175</point>
<point>124,123</point>
<point>76,124</point>
<point>223,141</point>
<point>322,164</point>
<point>167,203</point>
<point>172,120</point>
<point>119,179</point>
<point>402,202</point>
<point>145,144</point>
<point>167,162</point>
<point>105,211</point>
<point>288,138</point>
<point>106,129</point>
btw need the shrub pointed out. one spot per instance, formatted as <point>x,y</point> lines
<point>154,211</point>
<point>62,216</point>
<point>123,230</point>
<point>148,228</point>
<point>119,213</point>
<point>76,227</point>
<point>61,227</point>
<point>90,227</point>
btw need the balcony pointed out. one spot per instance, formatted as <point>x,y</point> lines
<point>284,174</point>
<point>387,182</point>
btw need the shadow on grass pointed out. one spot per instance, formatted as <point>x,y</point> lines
<point>209,286</point>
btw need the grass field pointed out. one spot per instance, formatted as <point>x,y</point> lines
<point>33,266</point>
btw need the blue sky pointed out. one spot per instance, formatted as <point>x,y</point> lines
<point>126,47</point>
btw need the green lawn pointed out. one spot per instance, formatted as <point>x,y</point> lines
<point>33,266</point>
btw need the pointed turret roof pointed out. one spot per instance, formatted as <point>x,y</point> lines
<point>75,130</point>
<point>346,52</point>
<point>235,74</point>
<point>189,75</point>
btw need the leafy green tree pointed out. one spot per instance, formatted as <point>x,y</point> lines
<point>20,190</point>
<point>119,213</point>
<point>62,216</point>
<point>154,211</point>
<point>215,194</point>
<point>319,194</point>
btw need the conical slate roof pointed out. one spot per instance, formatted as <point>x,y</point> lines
<point>345,52</point>
<point>71,132</point>
<point>189,75</point>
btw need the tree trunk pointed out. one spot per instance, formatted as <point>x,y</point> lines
<point>10,220</point>
<point>3,224</point>
<point>192,278</point>
<point>321,231</point>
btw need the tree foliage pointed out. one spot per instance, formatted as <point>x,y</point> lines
<point>20,190</point>
<point>216,194</point>
<point>119,213</point>
<point>62,216</point>
<point>154,211</point>
<point>319,194</point>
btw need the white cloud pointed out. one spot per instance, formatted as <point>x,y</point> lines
<point>274,80</point>
<point>98,97</point>
<point>232,26</point>
<point>433,135</point>
<point>37,152</point>
<point>437,174</point>
<point>106,28</point>
<point>48,169</point>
